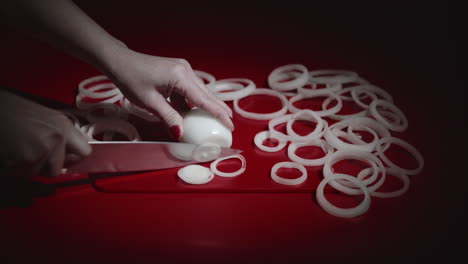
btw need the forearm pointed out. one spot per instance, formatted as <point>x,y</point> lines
<point>65,25</point>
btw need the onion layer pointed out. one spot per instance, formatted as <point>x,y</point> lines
<point>288,164</point>
<point>214,165</point>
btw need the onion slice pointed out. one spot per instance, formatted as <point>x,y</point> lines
<point>288,164</point>
<point>262,135</point>
<point>401,126</point>
<point>412,150</point>
<point>290,70</point>
<point>241,88</point>
<point>310,162</point>
<point>195,174</point>
<point>267,116</point>
<point>343,212</point>
<point>214,165</point>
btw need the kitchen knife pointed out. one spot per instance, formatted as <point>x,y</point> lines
<point>125,156</point>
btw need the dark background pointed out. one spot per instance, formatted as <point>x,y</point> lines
<point>410,49</point>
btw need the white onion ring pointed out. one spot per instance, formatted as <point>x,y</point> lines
<point>195,174</point>
<point>232,84</point>
<point>325,112</point>
<point>288,164</point>
<point>397,127</point>
<point>258,116</point>
<point>343,212</point>
<point>113,125</point>
<point>366,88</point>
<point>310,162</point>
<point>279,73</point>
<point>92,92</point>
<point>208,79</point>
<point>214,165</point>
<point>306,115</point>
<point>332,137</point>
<point>275,133</point>
<point>356,155</point>
<point>337,76</point>
<point>412,150</point>
<point>390,171</point>
<point>327,101</point>
<point>262,135</point>
<point>80,104</point>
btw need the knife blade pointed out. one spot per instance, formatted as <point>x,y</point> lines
<point>125,156</point>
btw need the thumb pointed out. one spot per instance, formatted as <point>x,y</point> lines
<point>158,105</point>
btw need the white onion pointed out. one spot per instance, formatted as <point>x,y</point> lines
<point>397,127</point>
<point>288,164</point>
<point>214,165</point>
<point>281,72</point>
<point>262,135</point>
<point>233,84</point>
<point>206,152</point>
<point>412,150</point>
<point>259,116</point>
<point>310,162</point>
<point>343,212</point>
<point>195,174</point>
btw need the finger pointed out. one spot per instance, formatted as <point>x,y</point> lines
<point>77,143</point>
<point>157,104</point>
<point>201,85</point>
<point>56,158</point>
<point>203,100</point>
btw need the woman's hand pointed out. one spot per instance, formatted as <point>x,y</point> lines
<point>148,80</point>
<point>35,139</point>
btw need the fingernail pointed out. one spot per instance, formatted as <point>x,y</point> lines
<point>175,130</point>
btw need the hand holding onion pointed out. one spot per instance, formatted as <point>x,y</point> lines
<point>36,139</point>
<point>148,80</point>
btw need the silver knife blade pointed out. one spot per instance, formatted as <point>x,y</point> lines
<point>125,156</point>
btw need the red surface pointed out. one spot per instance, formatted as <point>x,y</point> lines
<point>81,223</point>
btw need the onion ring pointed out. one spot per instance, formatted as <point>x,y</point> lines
<point>390,171</point>
<point>356,155</point>
<point>288,164</point>
<point>375,90</point>
<point>262,135</point>
<point>208,79</point>
<point>231,84</point>
<point>310,162</point>
<point>214,165</point>
<point>279,73</point>
<point>397,127</point>
<point>343,212</point>
<point>258,116</point>
<point>337,76</point>
<point>412,150</point>
<point>92,91</point>
<point>195,174</point>
<point>113,125</point>
<point>303,115</point>
<point>325,112</point>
